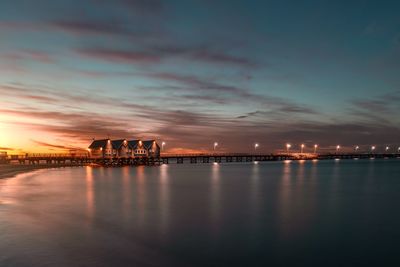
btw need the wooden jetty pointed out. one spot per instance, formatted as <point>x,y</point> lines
<point>85,159</point>
<point>236,157</point>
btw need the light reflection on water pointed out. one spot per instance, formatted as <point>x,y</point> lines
<point>164,199</point>
<point>90,194</point>
<point>215,201</point>
<point>282,213</point>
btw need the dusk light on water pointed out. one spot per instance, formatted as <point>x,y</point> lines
<point>199,133</point>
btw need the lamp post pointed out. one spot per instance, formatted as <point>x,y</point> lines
<point>315,148</point>
<point>337,148</point>
<point>356,148</point>
<point>288,146</point>
<point>162,146</point>
<point>215,145</point>
<point>302,148</point>
<point>255,146</point>
<point>373,148</point>
<point>387,149</point>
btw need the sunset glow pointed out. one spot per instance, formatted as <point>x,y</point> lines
<point>74,71</point>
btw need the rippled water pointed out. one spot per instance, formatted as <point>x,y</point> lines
<point>325,213</point>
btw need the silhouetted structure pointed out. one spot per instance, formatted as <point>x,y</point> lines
<point>123,149</point>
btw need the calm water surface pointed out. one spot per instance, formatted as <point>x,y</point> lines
<point>324,213</point>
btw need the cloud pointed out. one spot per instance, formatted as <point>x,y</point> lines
<point>196,83</point>
<point>195,130</point>
<point>381,109</point>
<point>282,111</point>
<point>23,55</point>
<point>226,93</point>
<point>63,147</point>
<point>7,148</point>
<point>119,56</point>
<point>221,58</point>
<point>149,54</point>
<point>91,27</point>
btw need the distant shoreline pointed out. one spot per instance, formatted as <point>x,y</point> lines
<point>12,170</point>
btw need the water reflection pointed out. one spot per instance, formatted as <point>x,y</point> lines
<point>90,195</point>
<point>284,199</point>
<point>126,192</point>
<point>254,186</point>
<point>215,201</point>
<point>164,199</point>
<point>202,215</point>
<point>140,194</point>
<point>255,197</point>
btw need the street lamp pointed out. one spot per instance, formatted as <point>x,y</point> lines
<point>162,146</point>
<point>373,148</point>
<point>255,146</point>
<point>387,149</point>
<point>288,146</point>
<point>215,145</point>
<point>315,148</point>
<point>337,148</point>
<point>302,148</point>
<point>356,148</point>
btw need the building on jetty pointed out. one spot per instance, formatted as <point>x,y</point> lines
<point>122,148</point>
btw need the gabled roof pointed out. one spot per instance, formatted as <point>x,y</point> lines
<point>133,143</point>
<point>98,144</point>
<point>117,143</point>
<point>148,143</point>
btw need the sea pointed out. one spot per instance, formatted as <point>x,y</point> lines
<point>289,213</point>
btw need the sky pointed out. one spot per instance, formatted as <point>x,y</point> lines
<point>194,72</point>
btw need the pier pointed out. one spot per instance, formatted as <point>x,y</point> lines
<point>85,159</point>
<point>237,157</point>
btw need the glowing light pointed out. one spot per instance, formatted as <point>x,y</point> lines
<point>215,163</point>
<point>387,148</point>
<point>315,148</point>
<point>215,145</point>
<point>255,162</point>
<point>255,146</point>
<point>302,148</point>
<point>288,146</point>
<point>287,161</point>
<point>162,145</point>
<point>337,148</point>
<point>373,148</point>
<point>357,148</point>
